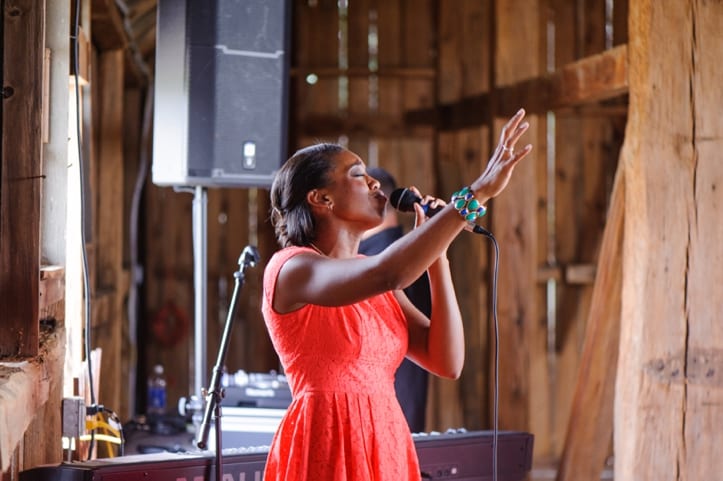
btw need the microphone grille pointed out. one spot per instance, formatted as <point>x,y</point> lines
<point>402,199</point>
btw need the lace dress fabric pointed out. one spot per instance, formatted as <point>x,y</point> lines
<point>344,422</point>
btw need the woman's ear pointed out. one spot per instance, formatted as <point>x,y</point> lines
<point>317,199</point>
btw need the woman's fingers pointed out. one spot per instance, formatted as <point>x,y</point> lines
<point>511,128</point>
<point>419,216</point>
<point>422,208</point>
<point>500,166</point>
<point>520,154</point>
<point>418,209</point>
<point>521,129</point>
<point>433,202</point>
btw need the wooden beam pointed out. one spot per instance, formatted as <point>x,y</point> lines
<point>595,110</point>
<point>147,43</point>
<point>27,387</point>
<point>52,282</point>
<point>109,33</point>
<point>21,175</point>
<point>569,274</point>
<point>592,79</point>
<point>141,8</point>
<point>547,272</point>
<point>590,425</point>
<point>372,125</point>
<point>40,442</point>
<point>404,72</point>
<point>108,30</point>
<point>83,58</point>
<point>669,389</point>
<point>580,274</point>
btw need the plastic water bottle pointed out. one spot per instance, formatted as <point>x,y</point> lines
<point>156,392</point>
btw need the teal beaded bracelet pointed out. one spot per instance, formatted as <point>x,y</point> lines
<point>468,207</point>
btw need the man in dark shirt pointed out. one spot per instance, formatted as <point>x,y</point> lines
<point>410,381</point>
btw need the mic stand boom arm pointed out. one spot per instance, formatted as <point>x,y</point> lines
<point>214,394</point>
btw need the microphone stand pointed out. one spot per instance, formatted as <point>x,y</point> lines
<point>214,394</point>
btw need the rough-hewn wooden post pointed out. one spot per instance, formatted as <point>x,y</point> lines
<point>21,168</point>
<point>669,389</point>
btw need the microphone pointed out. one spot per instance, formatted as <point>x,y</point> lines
<point>249,256</point>
<point>404,199</point>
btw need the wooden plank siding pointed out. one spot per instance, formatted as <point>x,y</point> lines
<point>564,228</point>
<point>584,152</point>
<point>260,353</point>
<point>236,218</point>
<point>463,67</point>
<point>405,27</point>
<point>316,45</point>
<point>361,20</point>
<point>517,56</point>
<point>228,234</point>
<point>600,142</point>
<point>405,32</point>
<point>584,174</point>
<point>110,282</point>
<point>132,147</point>
<point>169,291</point>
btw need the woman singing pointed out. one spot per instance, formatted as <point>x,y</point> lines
<point>341,323</point>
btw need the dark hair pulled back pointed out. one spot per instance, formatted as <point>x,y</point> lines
<point>306,170</point>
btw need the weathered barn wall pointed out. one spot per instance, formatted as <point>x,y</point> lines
<point>550,220</point>
<point>548,224</point>
<point>383,66</point>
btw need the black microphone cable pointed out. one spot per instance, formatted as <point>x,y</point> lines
<point>495,417</point>
<point>94,408</point>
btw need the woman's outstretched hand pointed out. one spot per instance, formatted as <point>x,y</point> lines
<point>499,169</point>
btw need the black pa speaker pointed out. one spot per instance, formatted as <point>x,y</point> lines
<point>221,92</point>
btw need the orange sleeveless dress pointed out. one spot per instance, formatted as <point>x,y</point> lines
<point>344,422</point>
